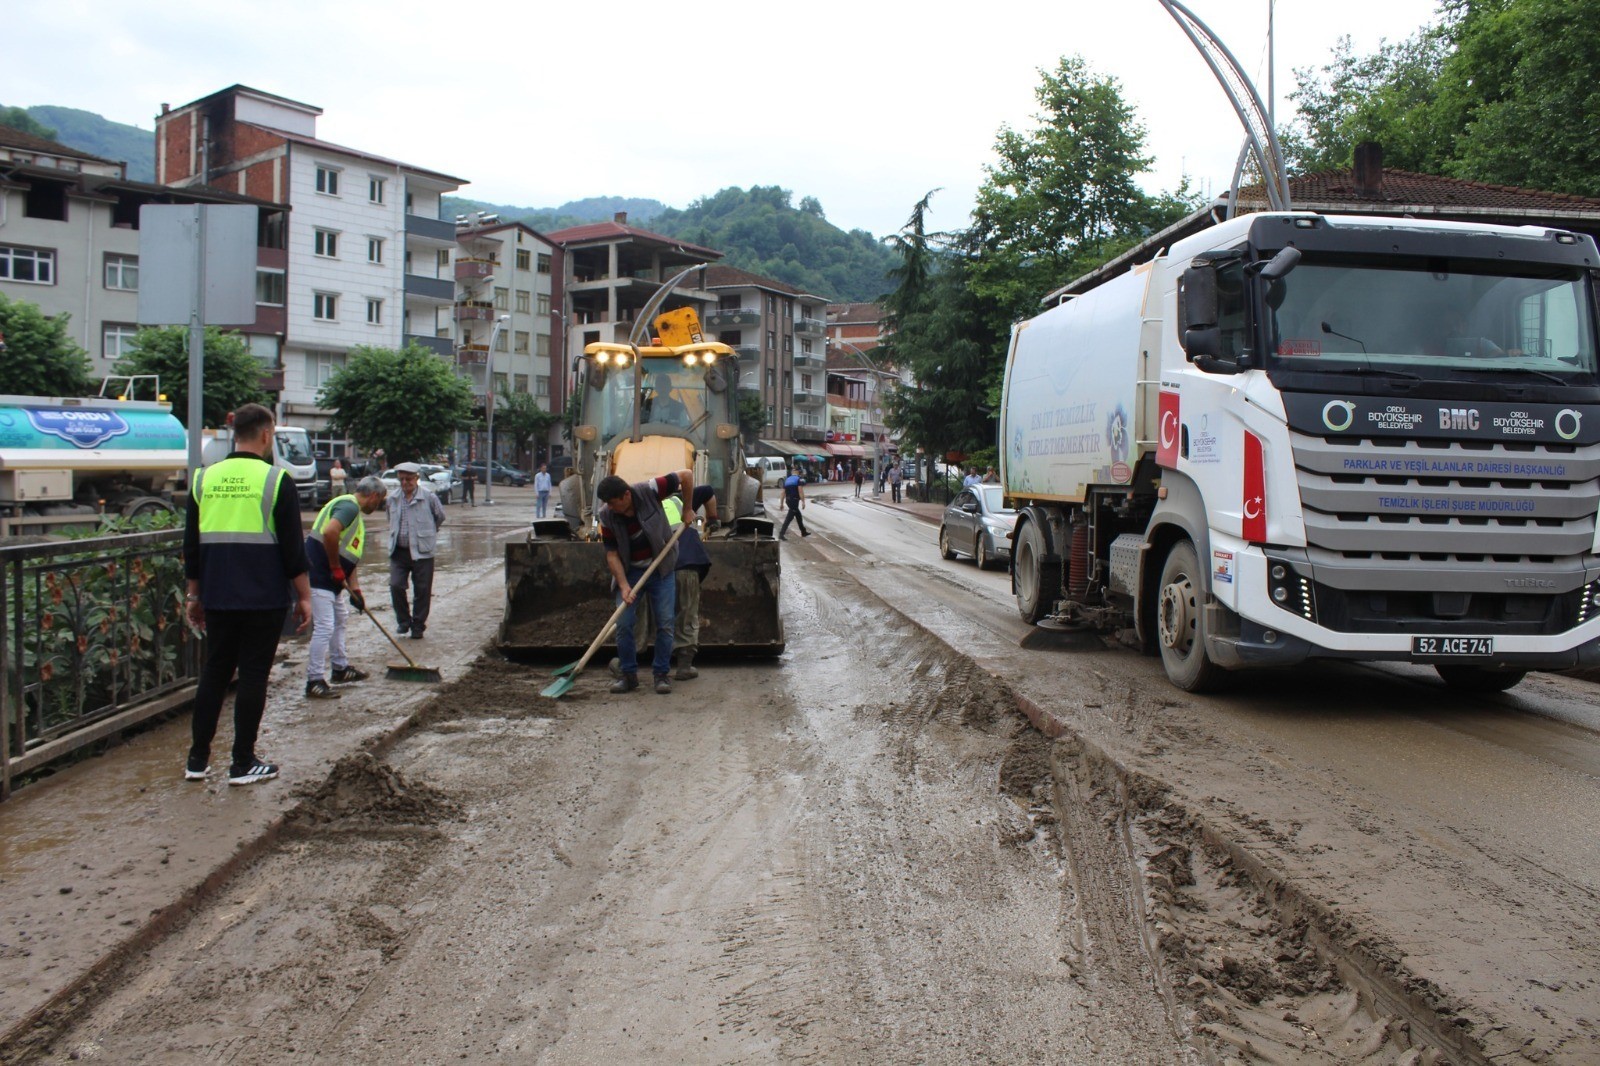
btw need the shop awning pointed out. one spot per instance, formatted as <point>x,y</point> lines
<point>785,448</point>
<point>849,451</point>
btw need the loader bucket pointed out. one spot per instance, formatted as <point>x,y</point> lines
<point>558,596</point>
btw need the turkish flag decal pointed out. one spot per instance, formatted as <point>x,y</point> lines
<point>1168,430</point>
<point>1255,491</point>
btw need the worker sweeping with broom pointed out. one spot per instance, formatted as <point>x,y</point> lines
<point>333,551</point>
<point>637,535</point>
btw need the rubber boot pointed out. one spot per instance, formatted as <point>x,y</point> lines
<point>686,670</point>
<point>625,683</point>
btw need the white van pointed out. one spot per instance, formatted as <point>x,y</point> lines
<point>770,470</point>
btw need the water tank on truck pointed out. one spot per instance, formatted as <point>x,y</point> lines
<point>64,461</point>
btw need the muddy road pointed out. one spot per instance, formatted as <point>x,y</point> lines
<point>864,851</point>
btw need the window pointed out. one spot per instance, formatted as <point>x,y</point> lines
<point>541,345</point>
<point>772,341</point>
<point>805,382</point>
<point>117,339</point>
<point>270,286</point>
<point>122,272</point>
<point>772,305</point>
<point>375,190</point>
<point>326,243</point>
<point>805,347</point>
<point>519,382</point>
<point>544,303</point>
<point>524,300</point>
<point>544,263</point>
<point>320,367</point>
<point>328,181</point>
<point>788,344</point>
<point>771,381</point>
<point>788,418</point>
<point>500,341</point>
<point>541,386</point>
<point>524,259</point>
<point>374,249</point>
<point>325,306</point>
<point>502,299</point>
<point>408,262</point>
<point>501,385</point>
<point>521,347</point>
<point>36,265</point>
<point>375,312</point>
<point>443,258</point>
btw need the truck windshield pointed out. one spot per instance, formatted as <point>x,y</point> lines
<point>675,401</point>
<point>1431,318</point>
<point>294,446</point>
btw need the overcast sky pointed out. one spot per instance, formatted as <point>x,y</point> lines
<point>864,106</point>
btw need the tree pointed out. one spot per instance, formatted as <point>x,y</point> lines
<point>519,416</point>
<point>1494,91</point>
<point>38,357</point>
<point>752,415</point>
<point>230,374</point>
<point>17,118</point>
<point>407,402</point>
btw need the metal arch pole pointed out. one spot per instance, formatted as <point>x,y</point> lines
<point>1238,176</point>
<point>877,438</point>
<point>1241,93</point>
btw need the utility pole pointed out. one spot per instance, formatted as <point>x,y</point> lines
<point>489,401</point>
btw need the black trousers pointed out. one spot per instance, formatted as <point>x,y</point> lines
<point>793,516</point>
<point>246,641</point>
<point>420,572</point>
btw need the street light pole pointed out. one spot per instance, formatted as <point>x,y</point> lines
<point>489,401</point>
<point>877,436</point>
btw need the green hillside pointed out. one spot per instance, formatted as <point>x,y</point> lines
<point>573,213</point>
<point>88,132</point>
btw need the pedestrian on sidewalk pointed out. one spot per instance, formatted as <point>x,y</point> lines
<point>415,516</point>
<point>541,485</point>
<point>243,547</point>
<point>894,481</point>
<point>333,551</point>
<point>634,529</point>
<point>860,477</point>
<point>336,478</point>
<point>795,501</point>
<point>469,482</point>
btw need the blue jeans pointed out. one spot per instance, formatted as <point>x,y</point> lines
<point>544,502</point>
<point>662,590</point>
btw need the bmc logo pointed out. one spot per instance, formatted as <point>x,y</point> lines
<point>1458,418</point>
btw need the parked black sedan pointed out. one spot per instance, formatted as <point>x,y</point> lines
<point>978,523</point>
<point>503,474</point>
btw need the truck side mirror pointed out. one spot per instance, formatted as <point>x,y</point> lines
<point>1280,265</point>
<point>1197,311</point>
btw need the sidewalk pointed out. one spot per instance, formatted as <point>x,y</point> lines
<point>926,512</point>
<point>99,860</point>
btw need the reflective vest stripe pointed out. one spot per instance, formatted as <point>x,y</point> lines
<point>674,508</point>
<point>352,537</point>
<point>236,502</point>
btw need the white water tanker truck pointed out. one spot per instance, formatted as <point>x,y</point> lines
<point>1297,436</point>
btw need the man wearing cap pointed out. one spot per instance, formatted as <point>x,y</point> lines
<point>415,516</point>
<point>333,551</point>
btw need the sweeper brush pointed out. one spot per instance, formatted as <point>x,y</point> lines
<point>409,671</point>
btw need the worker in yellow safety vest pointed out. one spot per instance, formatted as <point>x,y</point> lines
<point>243,548</point>
<point>333,551</point>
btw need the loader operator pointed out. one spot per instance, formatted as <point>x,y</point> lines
<point>333,550</point>
<point>635,530</point>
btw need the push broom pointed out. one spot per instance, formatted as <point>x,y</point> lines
<point>410,671</point>
<point>567,676</point>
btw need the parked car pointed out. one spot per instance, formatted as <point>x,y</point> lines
<point>978,523</point>
<point>442,479</point>
<point>503,474</point>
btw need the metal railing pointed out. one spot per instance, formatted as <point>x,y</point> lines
<point>95,641</point>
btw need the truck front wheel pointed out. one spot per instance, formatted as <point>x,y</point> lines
<point>1181,623</point>
<point>1036,574</point>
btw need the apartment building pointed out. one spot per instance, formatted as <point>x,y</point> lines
<point>777,331</point>
<point>508,269</point>
<point>69,242</point>
<point>370,260</point>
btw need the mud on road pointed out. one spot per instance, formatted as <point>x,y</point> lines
<point>859,852</point>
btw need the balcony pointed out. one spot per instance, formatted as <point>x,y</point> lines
<point>431,230</point>
<point>472,355</point>
<point>810,398</point>
<point>809,327</point>
<point>474,269</point>
<point>439,346</point>
<point>732,318</point>
<point>748,352</point>
<point>810,359</point>
<point>474,311</point>
<point>434,290</point>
